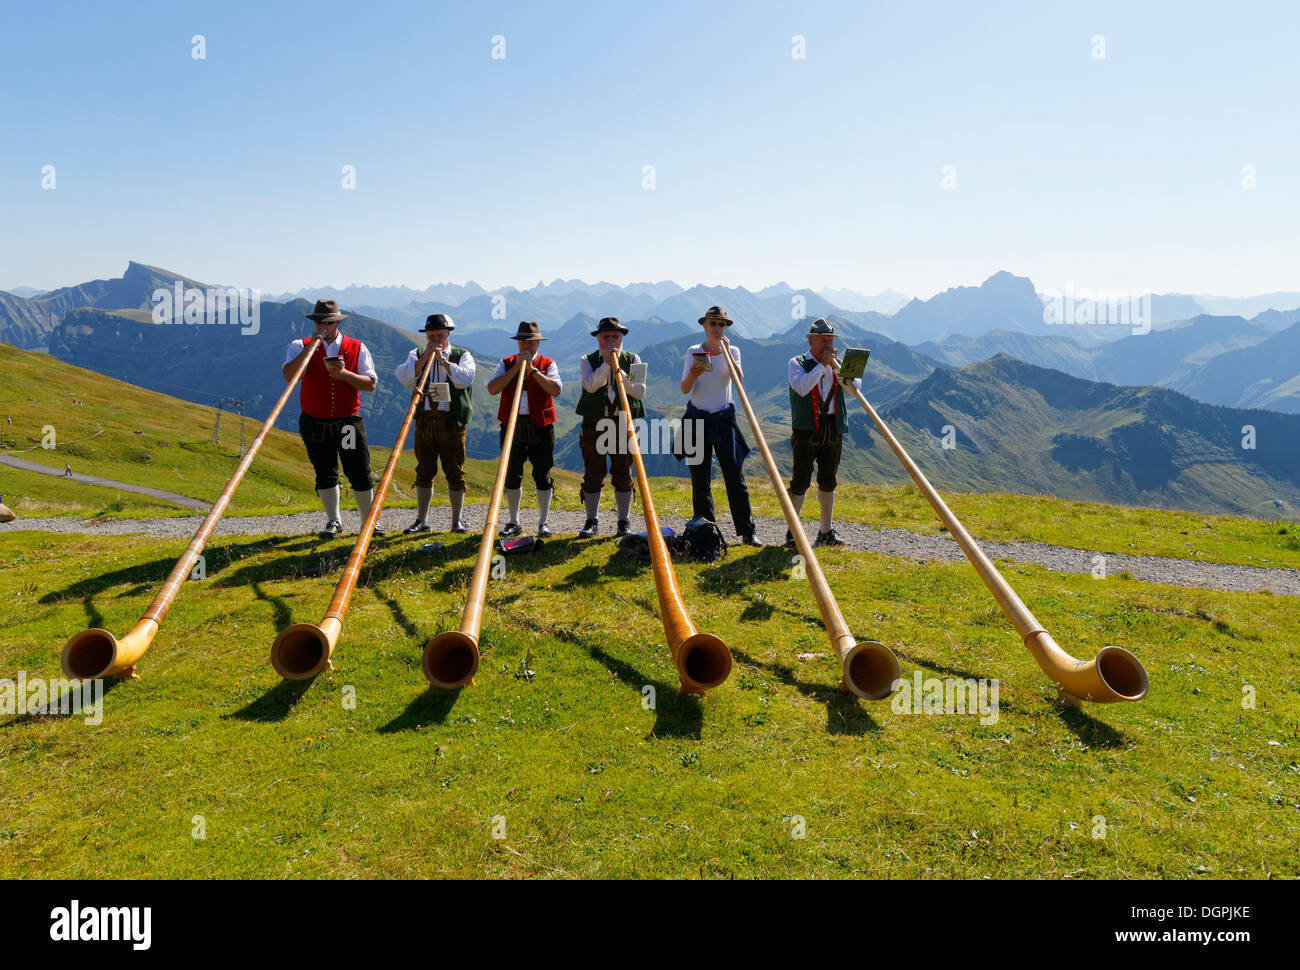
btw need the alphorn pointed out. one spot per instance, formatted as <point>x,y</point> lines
<point>702,660</point>
<point>97,653</point>
<point>451,658</point>
<point>870,668</point>
<point>1113,675</point>
<point>303,650</point>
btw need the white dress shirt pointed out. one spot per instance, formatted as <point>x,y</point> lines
<point>712,389</point>
<point>460,374</point>
<point>365,366</point>
<point>552,372</point>
<point>820,377</point>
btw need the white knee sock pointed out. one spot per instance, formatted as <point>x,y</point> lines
<point>624,502</point>
<point>798,502</point>
<point>423,496</point>
<point>329,497</point>
<point>543,505</point>
<point>363,502</point>
<point>592,500</point>
<point>827,501</point>
<point>457,503</point>
<point>513,495</point>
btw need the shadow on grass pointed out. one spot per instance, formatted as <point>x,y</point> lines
<point>275,704</point>
<point>281,614</point>
<point>431,707</point>
<point>844,710</point>
<point>66,706</point>
<point>1089,730</point>
<point>145,576</point>
<point>676,715</point>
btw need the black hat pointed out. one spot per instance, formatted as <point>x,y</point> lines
<point>528,330</point>
<point>437,321</point>
<point>820,328</point>
<point>715,313</point>
<point>609,325</point>
<point>327,311</point>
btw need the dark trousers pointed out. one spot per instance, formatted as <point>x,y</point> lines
<point>332,441</point>
<point>537,445</point>
<point>437,435</point>
<point>594,463</point>
<point>737,491</point>
<point>824,447</point>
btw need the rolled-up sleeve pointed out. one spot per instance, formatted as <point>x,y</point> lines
<point>462,372</point>
<point>802,382</point>
<point>405,371</point>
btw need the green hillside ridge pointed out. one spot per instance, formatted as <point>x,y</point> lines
<point>293,781</point>
<point>280,480</point>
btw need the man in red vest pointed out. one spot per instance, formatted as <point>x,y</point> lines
<point>534,427</point>
<point>330,424</point>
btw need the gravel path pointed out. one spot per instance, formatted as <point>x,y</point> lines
<point>31,466</point>
<point>891,542</point>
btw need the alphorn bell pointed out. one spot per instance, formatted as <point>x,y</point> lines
<point>450,659</point>
<point>303,650</point>
<point>97,653</point>
<point>702,660</point>
<point>1113,675</point>
<point>870,668</point>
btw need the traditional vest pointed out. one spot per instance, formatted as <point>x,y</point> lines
<point>321,396</point>
<point>592,406</point>
<point>806,412</point>
<point>462,399</point>
<point>541,406</point>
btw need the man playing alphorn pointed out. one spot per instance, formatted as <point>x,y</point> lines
<point>818,420</point>
<point>708,382</point>
<point>331,425</point>
<point>534,438</point>
<point>600,401</point>
<point>440,426</point>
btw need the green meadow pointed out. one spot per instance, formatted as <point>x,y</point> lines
<point>572,755</point>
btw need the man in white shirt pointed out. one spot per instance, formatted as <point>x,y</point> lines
<point>534,437</point>
<point>440,425</point>
<point>819,423</point>
<point>330,424</point>
<point>599,402</point>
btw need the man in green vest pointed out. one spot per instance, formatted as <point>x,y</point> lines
<point>599,401</point>
<point>819,422</point>
<point>440,424</point>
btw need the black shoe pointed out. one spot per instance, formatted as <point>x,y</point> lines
<point>543,532</point>
<point>828,539</point>
<point>417,527</point>
<point>789,540</point>
<point>377,533</point>
<point>332,528</point>
<point>589,529</point>
<point>752,540</point>
<point>458,526</point>
<point>624,528</point>
<point>511,529</point>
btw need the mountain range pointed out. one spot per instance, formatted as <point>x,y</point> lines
<point>1034,407</point>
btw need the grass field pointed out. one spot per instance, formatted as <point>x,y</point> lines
<point>365,772</point>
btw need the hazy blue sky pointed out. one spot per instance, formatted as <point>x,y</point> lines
<point>1125,171</point>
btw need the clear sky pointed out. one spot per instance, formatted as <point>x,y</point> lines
<point>828,170</point>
